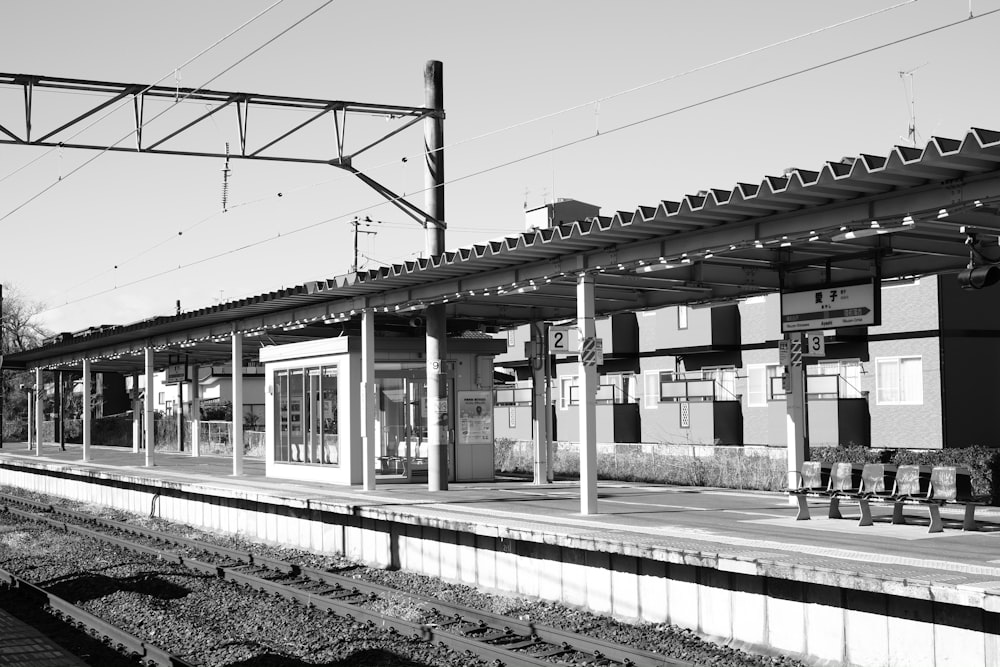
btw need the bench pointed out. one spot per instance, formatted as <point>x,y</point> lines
<point>823,480</point>
<point>918,485</point>
<point>945,485</point>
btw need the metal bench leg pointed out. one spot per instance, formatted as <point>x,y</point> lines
<point>934,512</point>
<point>897,513</point>
<point>969,522</point>
<point>866,513</point>
<point>835,508</point>
<point>803,513</point>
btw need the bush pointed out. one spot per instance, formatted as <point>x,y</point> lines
<point>849,454</point>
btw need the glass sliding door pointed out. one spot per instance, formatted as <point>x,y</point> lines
<point>306,403</point>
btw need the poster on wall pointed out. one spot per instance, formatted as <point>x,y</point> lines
<point>475,417</point>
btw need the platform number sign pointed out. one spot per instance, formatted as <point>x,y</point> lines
<point>813,344</point>
<point>562,340</point>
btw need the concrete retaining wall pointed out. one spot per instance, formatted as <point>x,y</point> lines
<point>824,617</point>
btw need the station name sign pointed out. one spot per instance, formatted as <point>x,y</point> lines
<point>831,307</point>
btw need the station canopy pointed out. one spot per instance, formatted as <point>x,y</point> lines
<point>913,212</point>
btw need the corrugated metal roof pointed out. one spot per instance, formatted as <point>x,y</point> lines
<point>693,222</point>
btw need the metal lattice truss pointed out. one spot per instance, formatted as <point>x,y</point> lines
<point>173,132</point>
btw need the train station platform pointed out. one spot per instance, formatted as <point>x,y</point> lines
<point>733,565</point>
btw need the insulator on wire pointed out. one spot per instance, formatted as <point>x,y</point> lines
<point>225,181</point>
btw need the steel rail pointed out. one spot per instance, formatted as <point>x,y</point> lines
<point>499,653</point>
<point>124,642</point>
<point>462,620</point>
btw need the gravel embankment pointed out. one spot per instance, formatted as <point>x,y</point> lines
<point>206,619</point>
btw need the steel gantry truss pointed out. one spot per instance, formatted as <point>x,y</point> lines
<point>23,130</point>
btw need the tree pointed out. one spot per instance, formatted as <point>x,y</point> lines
<point>19,327</point>
<point>19,331</point>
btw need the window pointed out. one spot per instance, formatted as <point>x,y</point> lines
<point>725,382</point>
<point>899,381</point>
<point>682,317</point>
<point>763,384</point>
<point>307,410</point>
<point>651,390</point>
<point>511,337</point>
<point>569,390</point>
<point>616,388</point>
<point>845,375</point>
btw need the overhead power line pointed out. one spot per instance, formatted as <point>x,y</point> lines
<point>594,102</point>
<point>173,72</point>
<point>181,98</point>
<point>562,146</point>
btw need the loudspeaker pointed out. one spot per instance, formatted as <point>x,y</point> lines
<point>978,277</point>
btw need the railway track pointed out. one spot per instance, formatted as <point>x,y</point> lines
<point>496,639</point>
<point>140,652</point>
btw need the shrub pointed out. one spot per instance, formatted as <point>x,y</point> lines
<point>849,454</point>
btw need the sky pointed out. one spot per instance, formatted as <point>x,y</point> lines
<point>619,104</point>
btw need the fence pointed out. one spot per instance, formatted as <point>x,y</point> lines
<point>215,437</point>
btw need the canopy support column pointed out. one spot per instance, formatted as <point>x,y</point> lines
<point>149,423</point>
<point>539,358</point>
<point>39,407</point>
<point>136,415</point>
<point>588,394</point>
<point>195,412</point>
<point>237,404</point>
<point>87,408</point>
<point>368,398</point>
<point>796,420</point>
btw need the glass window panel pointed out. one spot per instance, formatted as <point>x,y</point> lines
<point>330,427</point>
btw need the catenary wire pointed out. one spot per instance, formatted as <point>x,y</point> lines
<point>596,101</point>
<point>114,108</point>
<point>564,145</point>
<point>184,97</point>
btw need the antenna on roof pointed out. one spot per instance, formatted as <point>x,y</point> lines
<point>907,77</point>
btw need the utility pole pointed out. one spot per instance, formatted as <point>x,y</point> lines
<point>356,223</point>
<point>437,329</point>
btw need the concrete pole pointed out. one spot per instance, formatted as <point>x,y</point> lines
<point>136,415</point>
<point>87,410</point>
<point>796,420</point>
<point>180,416</point>
<point>588,396</point>
<point>149,421</point>
<point>39,408</point>
<point>237,404</point>
<point>437,326</point>
<point>60,403</point>
<point>368,398</point>
<point>540,417</point>
<point>195,412</point>
<point>31,422</point>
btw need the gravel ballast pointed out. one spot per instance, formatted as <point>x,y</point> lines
<point>209,620</point>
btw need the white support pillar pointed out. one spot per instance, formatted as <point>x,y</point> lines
<point>149,423</point>
<point>237,404</point>
<point>368,398</point>
<point>195,412</point>
<point>87,410</point>
<point>39,408</point>
<point>588,396</point>
<point>796,420</point>
<point>31,421</point>
<point>136,415</point>
<point>539,361</point>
